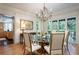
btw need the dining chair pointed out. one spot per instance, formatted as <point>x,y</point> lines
<point>56,43</point>
<point>28,45</point>
<point>66,43</point>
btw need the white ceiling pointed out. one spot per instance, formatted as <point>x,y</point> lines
<point>35,7</point>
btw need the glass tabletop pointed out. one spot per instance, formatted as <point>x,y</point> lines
<point>37,37</point>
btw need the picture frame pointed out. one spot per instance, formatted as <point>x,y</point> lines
<point>26,24</point>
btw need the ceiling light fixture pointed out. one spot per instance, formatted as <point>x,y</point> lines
<point>44,13</point>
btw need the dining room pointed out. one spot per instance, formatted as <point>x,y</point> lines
<point>40,28</point>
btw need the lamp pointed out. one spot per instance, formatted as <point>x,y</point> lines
<point>44,15</point>
<point>23,25</point>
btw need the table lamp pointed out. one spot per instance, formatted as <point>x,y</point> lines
<point>23,25</point>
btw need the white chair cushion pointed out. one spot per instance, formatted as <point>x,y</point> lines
<point>65,43</point>
<point>47,48</point>
<point>34,47</point>
<point>53,52</point>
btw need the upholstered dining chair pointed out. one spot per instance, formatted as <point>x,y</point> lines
<point>66,43</point>
<point>56,43</point>
<point>28,44</point>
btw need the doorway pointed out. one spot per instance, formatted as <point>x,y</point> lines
<point>7,29</point>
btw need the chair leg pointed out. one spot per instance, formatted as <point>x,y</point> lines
<point>62,52</point>
<point>68,49</point>
<point>24,51</point>
<point>67,46</point>
<point>31,53</point>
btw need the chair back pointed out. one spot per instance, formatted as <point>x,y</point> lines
<point>66,37</point>
<point>57,40</point>
<point>27,41</point>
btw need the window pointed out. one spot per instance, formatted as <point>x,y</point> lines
<point>8,23</point>
<point>71,25</point>
<point>54,25</point>
<point>8,26</point>
<point>50,26</point>
<point>62,24</point>
<point>38,25</point>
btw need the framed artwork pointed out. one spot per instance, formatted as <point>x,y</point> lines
<point>26,25</point>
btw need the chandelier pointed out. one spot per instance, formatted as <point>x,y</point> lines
<point>44,14</point>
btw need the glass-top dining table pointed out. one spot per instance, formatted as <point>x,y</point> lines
<point>42,40</point>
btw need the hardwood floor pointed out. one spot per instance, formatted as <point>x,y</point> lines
<point>13,49</point>
<point>16,49</point>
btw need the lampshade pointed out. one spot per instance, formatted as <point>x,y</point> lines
<point>23,24</point>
